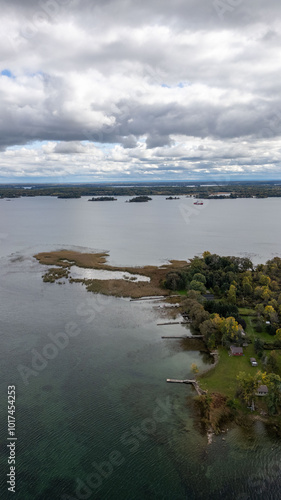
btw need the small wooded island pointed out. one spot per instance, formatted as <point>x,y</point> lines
<point>104,198</point>
<point>235,307</point>
<point>139,199</point>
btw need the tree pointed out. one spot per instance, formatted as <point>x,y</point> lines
<point>200,277</point>
<point>259,309</point>
<point>273,382</point>
<point>266,293</point>
<point>268,311</point>
<point>278,334</point>
<point>231,296</point>
<point>211,331</point>
<point>248,385</point>
<point>198,286</point>
<point>264,280</point>
<point>247,287</point>
<point>258,345</point>
<point>258,291</point>
<point>231,331</point>
<point>272,362</point>
<point>194,368</point>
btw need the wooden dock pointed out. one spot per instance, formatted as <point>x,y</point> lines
<point>188,381</point>
<point>182,337</point>
<point>176,381</point>
<point>173,337</point>
<point>174,323</point>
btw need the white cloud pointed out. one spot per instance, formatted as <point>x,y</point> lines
<point>147,83</point>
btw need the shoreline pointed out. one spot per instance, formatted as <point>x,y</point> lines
<point>218,404</point>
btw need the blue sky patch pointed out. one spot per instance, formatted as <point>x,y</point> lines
<point>8,73</point>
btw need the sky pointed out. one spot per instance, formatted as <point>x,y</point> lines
<point>137,90</point>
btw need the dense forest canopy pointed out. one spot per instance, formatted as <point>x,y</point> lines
<point>231,303</point>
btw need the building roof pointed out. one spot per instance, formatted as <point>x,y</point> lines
<point>236,350</point>
<point>263,388</point>
<point>209,296</point>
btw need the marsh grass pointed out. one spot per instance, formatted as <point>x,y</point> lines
<point>119,288</point>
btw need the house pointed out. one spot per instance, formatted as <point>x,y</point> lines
<point>236,351</point>
<point>253,362</point>
<point>209,296</point>
<point>262,390</point>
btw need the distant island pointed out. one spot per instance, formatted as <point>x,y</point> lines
<point>104,198</point>
<point>172,198</point>
<point>140,199</point>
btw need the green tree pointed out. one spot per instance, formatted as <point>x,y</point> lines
<point>231,330</point>
<point>248,385</point>
<point>198,286</point>
<point>266,293</point>
<point>259,309</point>
<point>247,288</point>
<point>272,362</point>
<point>258,345</point>
<point>231,296</point>
<point>194,368</point>
<point>200,277</point>
<point>264,280</point>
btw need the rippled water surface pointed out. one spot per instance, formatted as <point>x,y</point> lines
<point>95,417</point>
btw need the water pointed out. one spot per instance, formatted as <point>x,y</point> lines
<point>102,274</point>
<point>144,233</point>
<point>92,402</point>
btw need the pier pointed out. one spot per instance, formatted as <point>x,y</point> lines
<point>195,384</point>
<point>182,337</point>
<point>174,323</point>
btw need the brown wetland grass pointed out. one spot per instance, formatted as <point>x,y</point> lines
<point>64,259</point>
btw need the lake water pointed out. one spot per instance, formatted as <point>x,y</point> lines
<point>93,406</point>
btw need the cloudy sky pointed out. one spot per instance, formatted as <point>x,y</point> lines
<point>94,90</point>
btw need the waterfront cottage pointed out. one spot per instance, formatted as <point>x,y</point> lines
<point>236,351</point>
<point>262,390</point>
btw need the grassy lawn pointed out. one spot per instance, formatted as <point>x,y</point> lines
<point>251,332</point>
<point>223,377</point>
<point>245,311</point>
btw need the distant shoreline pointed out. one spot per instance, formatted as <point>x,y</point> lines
<point>231,190</point>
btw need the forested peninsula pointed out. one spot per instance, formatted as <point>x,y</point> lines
<point>235,307</point>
